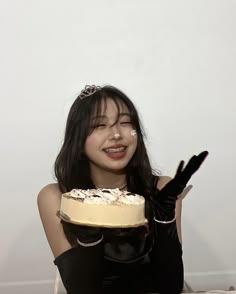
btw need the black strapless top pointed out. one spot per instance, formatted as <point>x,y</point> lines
<point>127,259</point>
<point>129,244</point>
<point>126,245</point>
<point>127,262</point>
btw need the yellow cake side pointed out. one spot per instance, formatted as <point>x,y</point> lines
<point>104,215</point>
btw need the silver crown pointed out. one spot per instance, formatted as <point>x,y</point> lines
<point>88,91</point>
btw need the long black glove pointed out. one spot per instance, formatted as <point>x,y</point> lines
<point>166,256</point>
<point>81,267</point>
<point>164,200</point>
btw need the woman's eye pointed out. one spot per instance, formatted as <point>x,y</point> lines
<point>99,126</point>
<point>125,123</point>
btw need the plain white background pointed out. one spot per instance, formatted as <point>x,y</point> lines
<point>175,59</point>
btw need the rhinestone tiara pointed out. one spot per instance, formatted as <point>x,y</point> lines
<point>88,91</point>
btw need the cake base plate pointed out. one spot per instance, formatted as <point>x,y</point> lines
<point>65,218</point>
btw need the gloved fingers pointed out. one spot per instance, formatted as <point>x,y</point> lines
<point>180,168</point>
<point>194,164</point>
<point>202,156</point>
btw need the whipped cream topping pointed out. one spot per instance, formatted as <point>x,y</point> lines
<point>105,196</point>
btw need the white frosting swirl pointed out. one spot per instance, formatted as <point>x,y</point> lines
<point>106,196</point>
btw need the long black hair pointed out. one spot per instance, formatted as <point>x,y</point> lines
<point>72,166</point>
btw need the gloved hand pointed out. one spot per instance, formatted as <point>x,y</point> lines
<point>164,201</point>
<point>86,234</point>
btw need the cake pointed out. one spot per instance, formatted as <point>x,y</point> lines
<point>111,208</point>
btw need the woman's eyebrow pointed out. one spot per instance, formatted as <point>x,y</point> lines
<point>98,117</point>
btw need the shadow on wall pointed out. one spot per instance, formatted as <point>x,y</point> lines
<point>28,264</point>
<point>204,269</point>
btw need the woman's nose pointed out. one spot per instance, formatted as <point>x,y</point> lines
<point>115,134</point>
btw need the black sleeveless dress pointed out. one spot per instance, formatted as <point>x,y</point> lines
<point>127,263</point>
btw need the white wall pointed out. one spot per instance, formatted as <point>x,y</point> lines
<point>177,61</point>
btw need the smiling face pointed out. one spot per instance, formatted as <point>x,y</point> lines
<point>112,141</point>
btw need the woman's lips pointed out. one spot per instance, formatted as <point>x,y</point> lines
<point>115,152</point>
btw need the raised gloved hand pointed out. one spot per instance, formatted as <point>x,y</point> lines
<point>164,200</point>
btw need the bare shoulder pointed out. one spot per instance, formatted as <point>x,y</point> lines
<point>48,194</point>
<point>50,189</point>
<point>48,200</point>
<point>163,180</point>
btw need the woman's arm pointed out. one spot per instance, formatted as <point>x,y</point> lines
<point>166,256</point>
<point>49,199</point>
<point>163,180</point>
<point>80,267</point>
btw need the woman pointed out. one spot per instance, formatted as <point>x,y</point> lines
<point>104,148</point>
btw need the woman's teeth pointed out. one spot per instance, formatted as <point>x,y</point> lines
<point>114,150</point>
